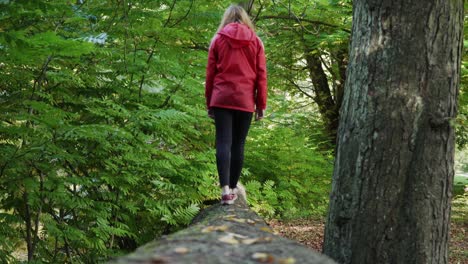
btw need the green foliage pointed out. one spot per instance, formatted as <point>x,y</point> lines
<point>103,136</point>
<point>460,183</point>
<point>262,198</point>
<point>460,209</point>
<point>461,123</point>
<point>289,167</point>
<point>315,27</point>
<point>312,67</point>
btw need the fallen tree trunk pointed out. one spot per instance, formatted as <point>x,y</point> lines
<point>225,234</point>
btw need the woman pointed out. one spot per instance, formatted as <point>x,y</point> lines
<point>235,88</point>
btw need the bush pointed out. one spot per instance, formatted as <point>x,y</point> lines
<point>287,176</point>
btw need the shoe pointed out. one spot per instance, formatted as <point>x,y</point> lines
<point>228,198</point>
<point>234,196</point>
<point>234,190</point>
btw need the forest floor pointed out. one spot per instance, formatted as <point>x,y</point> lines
<point>309,232</point>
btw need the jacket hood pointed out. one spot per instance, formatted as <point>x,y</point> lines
<point>239,35</point>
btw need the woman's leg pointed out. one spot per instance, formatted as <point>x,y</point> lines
<point>240,129</point>
<point>223,123</point>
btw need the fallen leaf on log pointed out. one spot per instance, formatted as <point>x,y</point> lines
<point>263,257</point>
<point>209,229</point>
<point>237,235</point>
<point>252,222</point>
<point>229,239</point>
<point>238,220</point>
<point>266,229</point>
<point>287,261</point>
<point>258,255</point>
<point>181,250</point>
<point>250,241</point>
<point>229,216</point>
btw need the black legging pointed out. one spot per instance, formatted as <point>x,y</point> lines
<point>232,127</point>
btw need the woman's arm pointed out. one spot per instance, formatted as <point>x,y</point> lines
<point>210,71</point>
<point>261,81</point>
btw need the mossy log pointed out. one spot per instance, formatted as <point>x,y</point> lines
<point>225,234</point>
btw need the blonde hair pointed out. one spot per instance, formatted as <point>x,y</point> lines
<point>235,13</point>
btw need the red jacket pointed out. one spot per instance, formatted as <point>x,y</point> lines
<point>236,70</point>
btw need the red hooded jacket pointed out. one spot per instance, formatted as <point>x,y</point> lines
<point>236,70</point>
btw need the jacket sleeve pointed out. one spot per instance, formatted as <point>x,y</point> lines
<point>210,71</point>
<point>261,81</point>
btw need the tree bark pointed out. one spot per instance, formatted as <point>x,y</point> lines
<point>225,234</point>
<point>323,96</point>
<point>29,231</point>
<point>392,183</point>
<point>342,62</point>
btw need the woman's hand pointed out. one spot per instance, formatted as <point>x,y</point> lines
<point>211,113</point>
<point>259,113</point>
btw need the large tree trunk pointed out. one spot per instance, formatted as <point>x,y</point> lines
<point>390,200</point>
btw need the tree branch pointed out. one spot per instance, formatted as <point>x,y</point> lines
<point>315,22</point>
<point>185,16</point>
<point>259,11</point>
<point>36,223</point>
<point>41,76</point>
<point>170,13</point>
<point>302,91</point>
